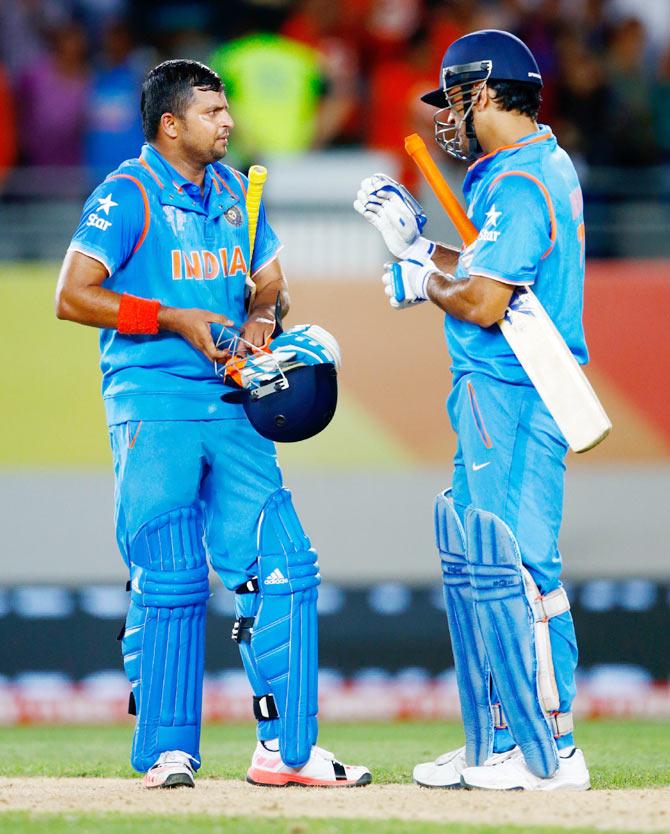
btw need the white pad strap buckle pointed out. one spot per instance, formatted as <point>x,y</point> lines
<point>561,723</point>
<point>550,605</point>
<point>498,717</point>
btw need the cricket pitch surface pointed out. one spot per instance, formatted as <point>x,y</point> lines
<point>621,810</point>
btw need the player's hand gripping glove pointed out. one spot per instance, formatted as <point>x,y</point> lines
<point>392,210</point>
<point>406,282</point>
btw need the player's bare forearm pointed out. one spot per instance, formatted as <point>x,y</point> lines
<point>270,285</point>
<point>476,299</point>
<point>269,281</point>
<point>445,257</point>
<point>81,298</point>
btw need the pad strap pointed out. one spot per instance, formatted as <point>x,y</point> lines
<point>550,605</point>
<point>544,608</point>
<point>498,717</point>
<point>248,587</point>
<point>561,723</point>
<point>265,708</point>
<point>243,628</point>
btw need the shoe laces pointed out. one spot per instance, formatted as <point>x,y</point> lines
<point>321,752</point>
<point>500,758</point>
<point>445,758</point>
<point>175,757</point>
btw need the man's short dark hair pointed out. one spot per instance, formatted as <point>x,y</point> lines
<point>168,88</point>
<point>517,96</point>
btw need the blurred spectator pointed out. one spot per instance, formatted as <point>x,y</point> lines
<point>8,132</point>
<point>183,29</point>
<point>314,73</point>
<point>395,109</point>
<point>23,24</point>
<point>654,15</point>
<point>445,21</point>
<point>632,136</point>
<point>583,102</point>
<point>52,101</point>
<point>278,96</point>
<point>389,24</point>
<point>334,29</point>
<point>541,29</point>
<point>595,26</point>
<point>114,126</point>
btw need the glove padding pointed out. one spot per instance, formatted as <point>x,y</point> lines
<point>405,282</point>
<point>392,210</point>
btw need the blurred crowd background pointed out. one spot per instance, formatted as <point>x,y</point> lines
<point>305,74</point>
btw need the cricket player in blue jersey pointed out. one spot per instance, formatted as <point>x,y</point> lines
<point>158,262</point>
<point>497,527</point>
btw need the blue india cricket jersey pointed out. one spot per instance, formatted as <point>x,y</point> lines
<point>527,203</point>
<point>160,237</point>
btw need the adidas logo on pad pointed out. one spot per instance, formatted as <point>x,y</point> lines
<point>276,578</point>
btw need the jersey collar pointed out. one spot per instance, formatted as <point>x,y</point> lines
<point>176,190</point>
<point>542,134</point>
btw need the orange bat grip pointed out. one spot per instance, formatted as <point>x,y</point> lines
<point>416,148</point>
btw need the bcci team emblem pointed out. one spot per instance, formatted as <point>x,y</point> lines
<point>175,217</point>
<point>234,216</point>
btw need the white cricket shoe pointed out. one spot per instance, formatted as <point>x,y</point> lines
<point>444,772</point>
<point>322,770</point>
<point>172,769</point>
<point>508,772</point>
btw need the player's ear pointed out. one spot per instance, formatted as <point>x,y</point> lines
<point>169,125</point>
<point>485,98</point>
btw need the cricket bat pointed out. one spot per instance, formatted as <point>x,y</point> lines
<point>532,335</point>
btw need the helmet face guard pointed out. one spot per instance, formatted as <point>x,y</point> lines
<point>288,389</point>
<point>461,85</point>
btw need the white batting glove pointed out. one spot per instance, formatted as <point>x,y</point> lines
<point>406,282</point>
<point>392,210</point>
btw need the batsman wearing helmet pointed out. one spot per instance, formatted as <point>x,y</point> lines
<point>160,261</point>
<point>497,526</point>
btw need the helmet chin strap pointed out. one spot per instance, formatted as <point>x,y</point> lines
<point>474,148</point>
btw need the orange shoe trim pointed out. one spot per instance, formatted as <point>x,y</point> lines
<point>267,777</point>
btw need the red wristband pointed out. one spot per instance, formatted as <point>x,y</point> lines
<point>137,315</point>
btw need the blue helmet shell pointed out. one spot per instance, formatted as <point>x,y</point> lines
<point>299,411</point>
<point>496,55</point>
<point>290,394</point>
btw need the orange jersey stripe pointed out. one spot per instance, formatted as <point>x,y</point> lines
<point>145,200</point>
<point>545,193</point>
<point>151,171</point>
<point>540,138</point>
<point>220,179</point>
<point>238,177</point>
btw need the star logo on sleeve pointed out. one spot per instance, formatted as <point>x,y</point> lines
<point>492,216</point>
<point>106,203</point>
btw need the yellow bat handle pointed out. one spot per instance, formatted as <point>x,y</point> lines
<point>257,176</point>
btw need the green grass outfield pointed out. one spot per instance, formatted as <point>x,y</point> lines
<point>24,823</point>
<point>621,754</point>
